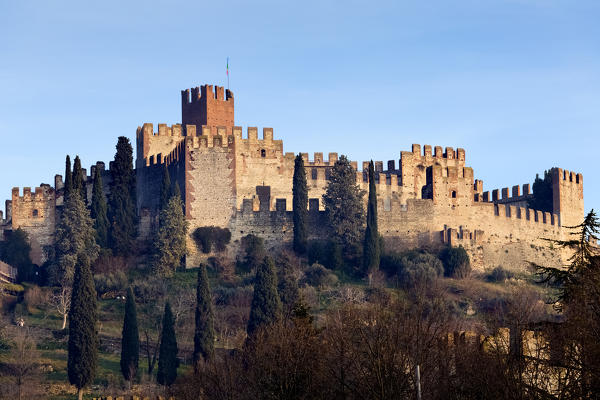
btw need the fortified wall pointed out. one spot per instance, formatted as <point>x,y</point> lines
<point>241,179</point>
<point>428,198</point>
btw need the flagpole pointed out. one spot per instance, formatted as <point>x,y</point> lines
<point>227,73</point>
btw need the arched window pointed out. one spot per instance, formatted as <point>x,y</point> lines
<point>454,194</point>
<point>36,213</point>
<point>263,153</point>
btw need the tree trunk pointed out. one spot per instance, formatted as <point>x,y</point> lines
<point>64,322</point>
<point>79,393</point>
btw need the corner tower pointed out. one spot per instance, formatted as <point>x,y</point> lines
<point>207,106</point>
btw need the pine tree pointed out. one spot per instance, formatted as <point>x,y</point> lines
<point>68,177</point>
<point>343,205</point>
<point>371,251</point>
<point>79,179</point>
<point>300,203</point>
<point>122,201</point>
<point>130,339</point>
<point>83,339</point>
<point>170,244</point>
<point>75,241</point>
<point>98,211</point>
<point>266,305</point>
<point>204,335</point>
<point>167,356</point>
<point>165,189</point>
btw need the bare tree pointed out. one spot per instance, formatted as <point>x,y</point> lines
<point>61,300</point>
<point>23,361</point>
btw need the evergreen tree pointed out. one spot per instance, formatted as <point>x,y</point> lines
<point>83,339</point>
<point>204,335</point>
<point>75,241</point>
<point>122,201</point>
<point>371,251</point>
<point>79,179</point>
<point>15,251</point>
<point>266,305</point>
<point>130,340</point>
<point>300,203</point>
<point>98,211</point>
<point>167,355</point>
<point>165,189</point>
<point>343,205</point>
<point>170,244</point>
<point>68,177</point>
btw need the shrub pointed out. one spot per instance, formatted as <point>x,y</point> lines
<point>456,262</point>
<point>327,253</point>
<point>105,283</point>
<point>13,288</point>
<point>500,274</point>
<point>419,268</point>
<point>254,252</point>
<point>391,263</point>
<point>318,275</point>
<point>207,236</point>
<point>35,296</point>
<point>149,290</point>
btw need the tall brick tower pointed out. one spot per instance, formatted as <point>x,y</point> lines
<point>207,106</point>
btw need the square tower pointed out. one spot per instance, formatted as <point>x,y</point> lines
<point>207,106</point>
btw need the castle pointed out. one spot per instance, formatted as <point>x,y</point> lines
<point>244,182</point>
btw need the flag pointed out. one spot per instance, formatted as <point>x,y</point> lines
<point>227,66</point>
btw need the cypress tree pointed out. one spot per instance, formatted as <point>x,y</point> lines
<point>204,335</point>
<point>371,251</point>
<point>98,211</point>
<point>167,355</point>
<point>130,342</point>
<point>75,241</point>
<point>266,305</point>
<point>83,339</point>
<point>170,243</point>
<point>78,179</point>
<point>122,202</point>
<point>300,202</point>
<point>165,188</point>
<point>344,206</point>
<point>68,177</point>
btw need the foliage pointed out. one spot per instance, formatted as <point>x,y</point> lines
<point>287,285</point>
<point>419,268</point>
<point>318,275</point>
<point>68,177</point>
<point>327,253</point>
<point>98,211</point>
<point>207,236</point>
<point>75,241</point>
<point>111,282</point>
<point>456,262</point>
<point>343,205</point>
<point>300,203</point>
<point>266,305</point>
<point>500,274</point>
<point>130,339</point>
<point>166,190</point>
<point>15,252</point>
<point>204,334</point>
<point>79,179</point>
<point>83,315</point>
<point>542,199</point>
<point>254,252</point>
<point>167,356</point>
<point>170,245</point>
<point>148,290</point>
<point>122,200</point>
<point>371,250</point>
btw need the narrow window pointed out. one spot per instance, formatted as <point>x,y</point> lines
<point>263,153</point>
<point>454,194</point>
<point>35,213</point>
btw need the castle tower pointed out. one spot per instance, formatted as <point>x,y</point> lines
<point>567,193</point>
<point>207,106</point>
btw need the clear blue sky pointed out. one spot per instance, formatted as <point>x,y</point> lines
<point>515,83</point>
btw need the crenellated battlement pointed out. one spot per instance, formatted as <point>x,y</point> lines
<point>517,193</point>
<point>207,92</point>
<point>42,193</point>
<point>436,152</point>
